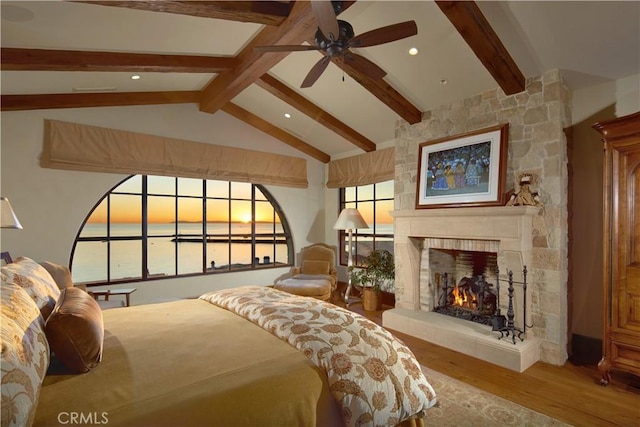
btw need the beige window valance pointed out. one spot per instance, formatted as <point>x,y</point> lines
<point>363,169</point>
<point>74,146</point>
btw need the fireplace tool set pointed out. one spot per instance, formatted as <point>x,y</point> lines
<point>497,321</point>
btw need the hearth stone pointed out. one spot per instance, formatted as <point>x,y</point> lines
<point>461,313</point>
<point>472,339</point>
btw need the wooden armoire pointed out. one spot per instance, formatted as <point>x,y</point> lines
<point>621,257</point>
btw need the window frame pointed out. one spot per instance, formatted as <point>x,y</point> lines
<point>144,236</point>
<point>343,236</point>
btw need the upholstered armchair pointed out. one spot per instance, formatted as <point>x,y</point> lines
<point>316,275</point>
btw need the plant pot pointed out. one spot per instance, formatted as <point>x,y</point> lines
<point>371,299</point>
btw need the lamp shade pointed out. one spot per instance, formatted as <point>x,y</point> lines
<point>8,218</point>
<point>350,219</point>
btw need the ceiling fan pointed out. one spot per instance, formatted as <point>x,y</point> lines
<point>336,38</point>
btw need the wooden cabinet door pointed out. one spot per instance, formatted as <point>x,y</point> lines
<point>626,268</point>
<point>621,279</point>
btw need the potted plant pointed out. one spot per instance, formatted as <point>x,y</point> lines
<point>376,268</point>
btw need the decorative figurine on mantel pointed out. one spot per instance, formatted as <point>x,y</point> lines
<point>525,197</point>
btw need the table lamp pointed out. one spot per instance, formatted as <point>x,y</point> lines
<point>349,220</point>
<point>8,219</point>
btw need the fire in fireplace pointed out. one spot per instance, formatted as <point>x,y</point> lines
<point>472,298</point>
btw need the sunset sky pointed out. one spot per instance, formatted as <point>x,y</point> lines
<point>127,208</point>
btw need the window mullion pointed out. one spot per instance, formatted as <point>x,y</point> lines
<point>109,238</point>
<point>176,227</point>
<point>230,195</point>
<point>253,227</point>
<point>204,226</point>
<point>145,229</point>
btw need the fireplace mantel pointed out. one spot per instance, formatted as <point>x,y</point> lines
<point>488,223</point>
<point>471,211</point>
<point>508,228</point>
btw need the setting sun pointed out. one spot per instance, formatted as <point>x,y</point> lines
<point>245,217</point>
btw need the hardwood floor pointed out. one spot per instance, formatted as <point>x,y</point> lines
<point>569,393</point>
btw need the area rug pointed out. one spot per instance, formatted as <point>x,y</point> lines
<point>462,405</point>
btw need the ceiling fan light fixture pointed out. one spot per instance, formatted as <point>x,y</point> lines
<point>336,37</point>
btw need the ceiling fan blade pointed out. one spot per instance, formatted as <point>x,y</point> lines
<point>315,72</point>
<point>285,48</point>
<point>386,34</point>
<point>363,65</point>
<point>326,18</point>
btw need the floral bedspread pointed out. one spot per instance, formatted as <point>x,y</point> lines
<point>372,375</point>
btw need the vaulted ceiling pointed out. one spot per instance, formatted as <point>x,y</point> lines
<point>81,54</point>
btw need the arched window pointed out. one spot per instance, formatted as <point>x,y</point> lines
<point>152,227</point>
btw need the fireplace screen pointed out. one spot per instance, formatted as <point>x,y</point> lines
<point>471,297</point>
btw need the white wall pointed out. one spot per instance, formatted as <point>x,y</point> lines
<point>52,204</point>
<point>624,94</point>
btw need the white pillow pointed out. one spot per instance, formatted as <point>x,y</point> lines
<point>36,280</point>
<point>25,355</point>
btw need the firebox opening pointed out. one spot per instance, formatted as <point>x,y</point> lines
<point>465,283</point>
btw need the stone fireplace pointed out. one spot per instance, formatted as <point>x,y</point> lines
<point>537,119</point>
<point>428,243</point>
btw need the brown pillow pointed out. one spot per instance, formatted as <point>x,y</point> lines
<point>315,267</point>
<point>60,274</point>
<point>75,330</point>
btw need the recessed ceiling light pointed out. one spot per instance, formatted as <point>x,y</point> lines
<point>444,81</point>
<point>287,115</point>
<point>135,77</point>
<point>413,51</point>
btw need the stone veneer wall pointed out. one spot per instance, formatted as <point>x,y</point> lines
<point>537,145</point>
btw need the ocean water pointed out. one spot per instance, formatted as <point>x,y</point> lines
<point>166,257</point>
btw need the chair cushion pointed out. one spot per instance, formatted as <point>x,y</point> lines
<point>312,277</point>
<point>75,330</point>
<point>310,266</point>
<point>316,288</point>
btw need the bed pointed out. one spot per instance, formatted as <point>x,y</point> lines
<point>240,357</point>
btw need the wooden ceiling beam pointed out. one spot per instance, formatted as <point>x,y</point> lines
<point>84,100</point>
<point>72,60</point>
<point>474,28</point>
<point>291,97</point>
<point>266,127</point>
<point>259,12</point>
<point>298,27</point>
<point>384,92</point>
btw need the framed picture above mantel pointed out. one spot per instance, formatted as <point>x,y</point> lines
<point>463,170</point>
